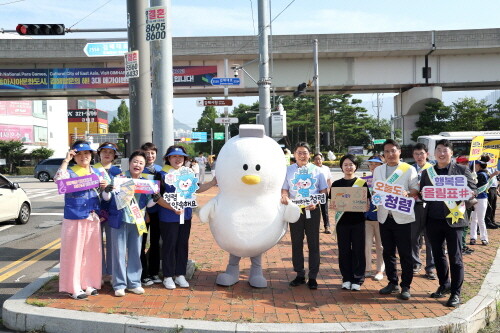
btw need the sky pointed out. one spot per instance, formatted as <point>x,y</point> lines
<point>239,17</point>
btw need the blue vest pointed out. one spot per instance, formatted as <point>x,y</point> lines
<point>115,218</point>
<point>168,215</point>
<point>112,172</point>
<point>79,205</point>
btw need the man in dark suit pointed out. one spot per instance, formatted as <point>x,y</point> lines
<point>441,227</point>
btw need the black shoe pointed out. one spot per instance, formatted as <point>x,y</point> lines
<point>491,226</point>
<point>453,301</point>
<point>312,284</point>
<point>430,275</point>
<point>405,294</point>
<point>440,292</point>
<point>297,281</point>
<point>467,250</point>
<point>416,268</point>
<point>327,230</point>
<point>389,289</point>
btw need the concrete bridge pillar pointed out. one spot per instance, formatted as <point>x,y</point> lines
<point>409,104</point>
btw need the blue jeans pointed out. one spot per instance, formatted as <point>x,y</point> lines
<point>126,257</point>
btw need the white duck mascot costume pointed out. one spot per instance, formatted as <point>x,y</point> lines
<point>246,217</point>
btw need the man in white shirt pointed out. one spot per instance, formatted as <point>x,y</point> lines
<point>395,227</point>
<point>202,162</point>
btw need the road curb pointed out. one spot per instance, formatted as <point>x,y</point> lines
<point>20,316</point>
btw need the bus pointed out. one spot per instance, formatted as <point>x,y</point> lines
<point>461,141</point>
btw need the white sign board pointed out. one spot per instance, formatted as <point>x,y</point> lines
<point>156,23</point>
<point>132,64</point>
<point>226,120</point>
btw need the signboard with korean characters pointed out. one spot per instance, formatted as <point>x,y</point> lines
<point>156,19</point>
<point>447,188</point>
<point>132,64</point>
<point>391,197</point>
<point>350,199</point>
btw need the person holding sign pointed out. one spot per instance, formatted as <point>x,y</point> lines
<point>175,222</point>
<point>350,227</point>
<point>126,219</point>
<point>445,223</point>
<point>395,214</point>
<point>479,212</point>
<point>318,161</point>
<point>80,270</point>
<point>107,153</point>
<point>304,179</point>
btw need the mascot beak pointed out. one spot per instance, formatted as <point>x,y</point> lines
<point>250,180</point>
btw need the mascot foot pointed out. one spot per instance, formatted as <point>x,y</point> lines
<point>230,277</point>
<point>257,279</point>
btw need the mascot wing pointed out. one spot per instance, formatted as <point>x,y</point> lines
<point>291,213</point>
<point>206,212</point>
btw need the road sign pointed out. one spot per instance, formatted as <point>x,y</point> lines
<point>214,102</point>
<point>226,120</point>
<point>156,19</point>
<point>132,64</point>
<point>225,81</point>
<point>378,141</point>
<point>105,49</point>
<point>218,136</point>
<point>199,136</point>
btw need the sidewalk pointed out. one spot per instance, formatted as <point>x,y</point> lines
<point>243,308</point>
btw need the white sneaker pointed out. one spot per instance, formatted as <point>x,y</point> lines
<point>79,295</point>
<point>181,281</point>
<point>346,285</point>
<point>355,287</point>
<point>378,276</point>
<point>91,291</point>
<point>138,291</point>
<point>120,292</point>
<point>169,283</point>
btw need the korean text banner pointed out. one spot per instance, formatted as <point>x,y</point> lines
<point>94,78</point>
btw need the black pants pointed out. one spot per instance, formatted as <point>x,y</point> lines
<point>439,232</point>
<point>492,206</point>
<point>309,228</point>
<point>351,243</point>
<point>397,236</point>
<point>324,214</point>
<point>175,247</point>
<point>151,261</point>
<point>417,231</point>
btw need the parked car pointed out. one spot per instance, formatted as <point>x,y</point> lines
<point>14,203</point>
<point>46,169</point>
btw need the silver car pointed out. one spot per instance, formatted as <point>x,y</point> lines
<point>46,169</point>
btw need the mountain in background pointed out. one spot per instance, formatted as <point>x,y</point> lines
<point>177,124</point>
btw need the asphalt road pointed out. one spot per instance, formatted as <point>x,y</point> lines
<point>27,251</point>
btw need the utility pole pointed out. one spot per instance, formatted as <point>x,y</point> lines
<point>163,85</point>
<point>264,82</point>
<point>226,96</point>
<point>316,94</point>
<point>139,88</point>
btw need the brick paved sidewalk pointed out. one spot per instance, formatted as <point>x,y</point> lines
<point>278,303</point>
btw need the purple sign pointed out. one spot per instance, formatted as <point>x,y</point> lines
<point>71,185</point>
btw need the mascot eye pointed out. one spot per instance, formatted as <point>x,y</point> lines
<point>257,167</point>
<point>245,167</point>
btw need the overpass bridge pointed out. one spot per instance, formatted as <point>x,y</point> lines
<point>348,63</point>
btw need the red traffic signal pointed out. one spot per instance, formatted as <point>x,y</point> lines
<point>40,29</point>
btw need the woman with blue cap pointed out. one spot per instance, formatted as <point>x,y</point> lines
<point>174,232</point>
<point>107,153</point>
<point>81,257</point>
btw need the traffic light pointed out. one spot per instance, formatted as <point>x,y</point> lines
<point>301,88</point>
<point>40,29</point>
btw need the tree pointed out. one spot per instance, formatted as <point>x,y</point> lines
<point>206,123</point>
<point>121,123</point>
<point>41,153</point>
<point>469,114</point>
<point>436,118</point>
<point>492,121</point>
<point>13,152</point>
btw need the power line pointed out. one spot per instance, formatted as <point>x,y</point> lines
<point>91,13</point>
<point>253,20</point>
<point>282,11</point>
<point>8,3</point>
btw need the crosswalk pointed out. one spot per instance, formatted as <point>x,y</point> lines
<point>43,194</point>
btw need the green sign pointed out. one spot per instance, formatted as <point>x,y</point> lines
<point>218,136</point>
<point>378,141</point>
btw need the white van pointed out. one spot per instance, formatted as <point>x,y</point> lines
<point>461,140</point>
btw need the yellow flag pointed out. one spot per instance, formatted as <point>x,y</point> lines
<point>493,154</point>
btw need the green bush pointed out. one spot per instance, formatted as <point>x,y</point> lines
<point>25,171</point>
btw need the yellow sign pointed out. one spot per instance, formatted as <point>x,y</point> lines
<point>492,144</point>
<point>493,154</point>
<point>476,148</point>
